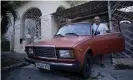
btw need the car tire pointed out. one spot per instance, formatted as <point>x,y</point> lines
<point>42,70</point>
<point>87,66</point>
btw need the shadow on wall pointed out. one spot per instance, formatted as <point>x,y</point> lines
<point>5,45</point>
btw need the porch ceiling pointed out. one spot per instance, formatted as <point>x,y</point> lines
<point>89,9</point>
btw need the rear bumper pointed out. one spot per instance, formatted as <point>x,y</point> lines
<point>74,66</point>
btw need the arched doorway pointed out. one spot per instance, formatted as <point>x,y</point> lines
<point>31,25</point>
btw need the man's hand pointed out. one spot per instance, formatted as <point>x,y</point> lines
<point>108,31</point>
<point>96,33</point>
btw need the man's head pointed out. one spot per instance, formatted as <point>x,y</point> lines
<point>97,20</point>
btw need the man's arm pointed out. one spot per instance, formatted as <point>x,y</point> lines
<point>106,29</point>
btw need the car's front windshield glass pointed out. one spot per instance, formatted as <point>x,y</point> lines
<point>77,29</point>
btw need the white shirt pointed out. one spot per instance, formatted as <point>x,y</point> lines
<point>102,28</point>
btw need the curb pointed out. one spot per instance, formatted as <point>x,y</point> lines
<point>7,68</point>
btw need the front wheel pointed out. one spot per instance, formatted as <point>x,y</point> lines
<point>86,69</point>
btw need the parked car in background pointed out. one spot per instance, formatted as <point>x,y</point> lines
<point>125,21</point>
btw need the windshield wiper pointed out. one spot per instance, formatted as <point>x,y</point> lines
<point>59,35</point>
<point>71,34</point>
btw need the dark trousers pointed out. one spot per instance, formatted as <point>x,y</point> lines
<point>99,59</point>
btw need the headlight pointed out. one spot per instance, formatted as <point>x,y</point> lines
<point>66,53</point>
<point>30,50</point>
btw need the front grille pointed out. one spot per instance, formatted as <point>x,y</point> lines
<point>45,52</point>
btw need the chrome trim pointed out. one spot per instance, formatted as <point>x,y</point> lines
<point>44,47</point>
<point>55,52</point>
<point>46,57</point>
<point>53,63</point>
<point>41,45</point>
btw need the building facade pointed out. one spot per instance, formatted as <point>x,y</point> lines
<point>35,23</point>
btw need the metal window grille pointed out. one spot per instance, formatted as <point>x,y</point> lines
<point>126,13</point>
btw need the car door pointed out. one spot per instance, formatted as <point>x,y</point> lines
<point>108,43</point>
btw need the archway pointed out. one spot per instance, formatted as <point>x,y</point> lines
<point>31,25</point>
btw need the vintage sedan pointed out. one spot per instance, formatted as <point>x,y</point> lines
<point>73,48</point>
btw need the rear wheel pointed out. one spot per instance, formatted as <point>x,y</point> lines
<point>87,66</point>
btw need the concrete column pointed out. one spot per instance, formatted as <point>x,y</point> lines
<point>46,27</point>
<point>109,15</point>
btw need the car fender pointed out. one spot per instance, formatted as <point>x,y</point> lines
<point>88,49</point>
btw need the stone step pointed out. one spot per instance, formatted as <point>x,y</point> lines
<point>125,61</point>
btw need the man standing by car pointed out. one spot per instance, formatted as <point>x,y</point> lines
<point>99,29</point>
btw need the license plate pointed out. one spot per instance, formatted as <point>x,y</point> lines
<point>43,66</point>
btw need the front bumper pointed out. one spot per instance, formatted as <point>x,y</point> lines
<point>74,66</point>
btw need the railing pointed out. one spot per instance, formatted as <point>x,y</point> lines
<point>126,28</point>
<point>128,42</point>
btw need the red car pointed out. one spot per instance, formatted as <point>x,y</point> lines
<point>73,48</point>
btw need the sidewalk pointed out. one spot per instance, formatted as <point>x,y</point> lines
<point>110,72</point>
<point>13,55</point>
<point>11,60</point>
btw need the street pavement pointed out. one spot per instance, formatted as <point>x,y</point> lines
<point>30,72</point>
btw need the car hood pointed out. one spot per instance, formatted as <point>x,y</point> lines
<point>67,41</point>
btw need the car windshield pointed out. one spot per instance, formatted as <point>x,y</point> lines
<point>76,29</point>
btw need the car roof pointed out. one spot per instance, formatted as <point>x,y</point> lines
<point>79,23</point>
